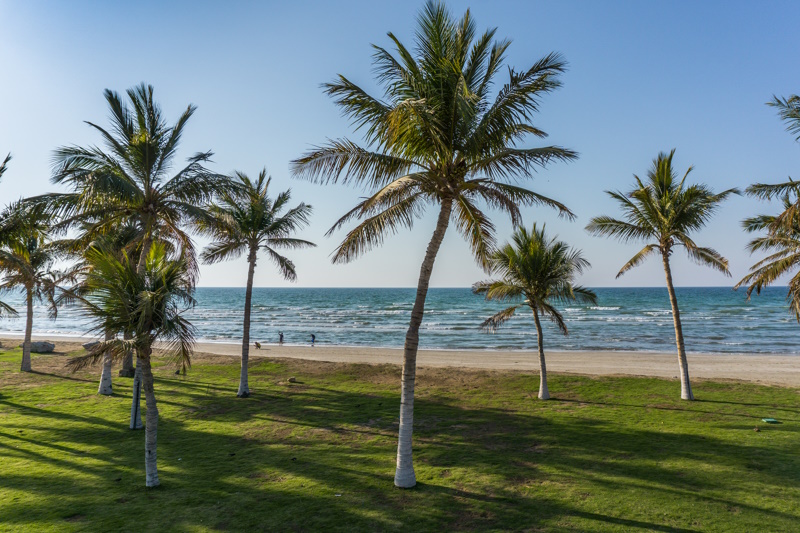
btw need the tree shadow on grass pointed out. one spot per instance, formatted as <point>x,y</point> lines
<point>315,457</point>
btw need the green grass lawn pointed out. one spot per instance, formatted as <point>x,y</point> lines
<point>606,454</point>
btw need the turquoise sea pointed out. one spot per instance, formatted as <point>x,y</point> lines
<point>715,319</point>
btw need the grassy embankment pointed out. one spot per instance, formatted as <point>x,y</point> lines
<point>318,455</point>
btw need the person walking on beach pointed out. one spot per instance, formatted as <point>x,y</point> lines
<point>280,337</point>
<point>313,338</point>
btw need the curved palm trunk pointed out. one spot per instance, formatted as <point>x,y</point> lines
<point>136,402</point>
<point>26,344</point>
<point>544,394</point>
<point>686,387</point>
<point>105,377</point>
<point>404,474</point>
<point>244,387</point>
<point>151,429</point>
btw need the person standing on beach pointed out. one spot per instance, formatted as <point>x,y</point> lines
<point>280,338</point>
<point>313,339</point>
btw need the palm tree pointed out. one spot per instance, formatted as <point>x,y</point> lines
<point>27,256</point>
<point>247,220</point>
<point>540,272</point>
<point>115,241</point>
<point>664,210</point>
<point>782,239</point>
<point>131,182</point>
<point>438,139</point>
<point>151,305</point>
<point>783,245</point>
<point>789,111</point>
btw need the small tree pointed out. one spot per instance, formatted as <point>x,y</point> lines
<point>150,305</point>
<point>27,256</point>
<point>664,210</point>
<point>540,272</point>
<point>247,220</point>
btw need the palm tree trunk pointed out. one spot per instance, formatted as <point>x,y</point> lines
<point>686,387</point>
<point>151,428</point>
<point>136,410</point>
<point>26,344</point>
<point>404,474</point>
<point>147,243</point>
<point>544,394</point>
<point>244,388</point>
<point>105,377</point>
<point>127,369</point>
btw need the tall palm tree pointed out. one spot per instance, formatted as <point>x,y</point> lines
<point>664,210</point>
<point>536,272</point>
<point>246,220</point>
<point>119,296</point>
<point>132,181</point>
<point>436,138</point>
<point>782,239</point>
<point>27,257</point>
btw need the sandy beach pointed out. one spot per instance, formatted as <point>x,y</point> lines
<point>774,369</point>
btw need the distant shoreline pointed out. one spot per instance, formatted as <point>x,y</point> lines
<point>781,370</point>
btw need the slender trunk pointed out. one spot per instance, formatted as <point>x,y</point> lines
<point>544,394</point>
<point>404,474</point>
<point>147,243</point>
<point>127,369</point>
<point>26,344</point>
<point>136,410</point>
<point>686,387</point>
<point>151,429</point>
<point>105,377</point>
<point>244,388</point>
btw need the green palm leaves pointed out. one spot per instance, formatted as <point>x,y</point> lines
<point>782,239</point>
<point>538,270</point>
<point>130,179</point>
<point>664,210</point>
<point>436,136</point>
<point>151,306</point>
<point>245,218</point>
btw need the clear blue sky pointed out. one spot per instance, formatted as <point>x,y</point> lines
<point>643,77</point>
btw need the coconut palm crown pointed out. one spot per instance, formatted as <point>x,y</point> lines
<point>782,244</point>
<point>439,136</point>
<point>246,220</point>
<point>782,239</point>
<point>535,272</point>
<point>132,179</point>
<point>789,111</point>
<point>665,210</point>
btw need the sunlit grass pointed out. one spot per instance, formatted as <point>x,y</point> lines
<point>318,455</point>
